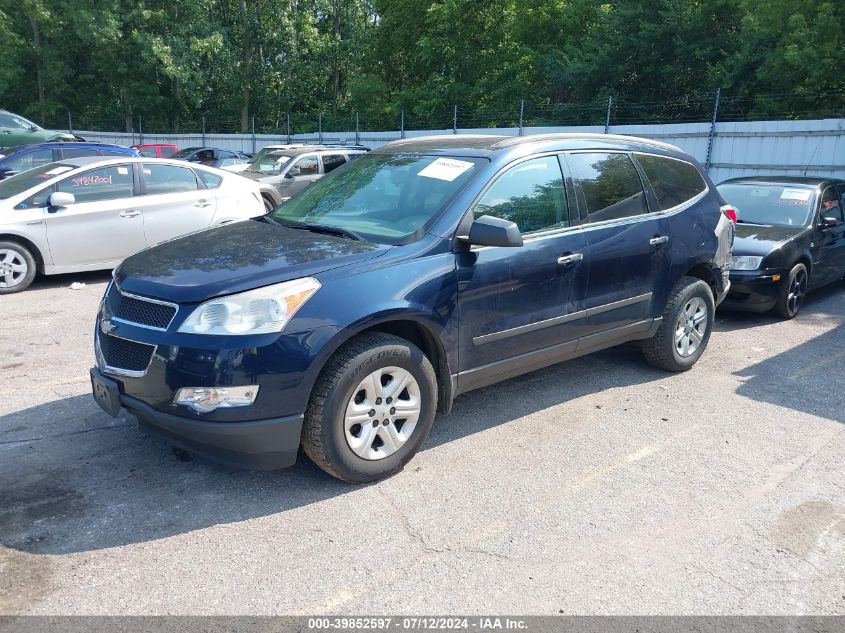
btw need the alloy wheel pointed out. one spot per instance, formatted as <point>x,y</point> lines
<point>13,268</point>
<point>797,291</point>
<point>691,327</point>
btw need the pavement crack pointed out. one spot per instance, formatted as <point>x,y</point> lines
<point>409,530</point>
<point>55,435</point>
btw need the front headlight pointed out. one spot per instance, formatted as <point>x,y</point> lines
<point>260,311</point>
<point>745,262</point>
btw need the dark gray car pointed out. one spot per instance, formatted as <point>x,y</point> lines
<point>283,173</point>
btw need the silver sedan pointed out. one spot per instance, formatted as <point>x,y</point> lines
<point>90,213</point>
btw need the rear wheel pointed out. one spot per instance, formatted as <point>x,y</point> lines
<point>371,408</point>
<point>792,293</point>
<point>685,329</point>
<point>17,267</point>
<point>268,204</point>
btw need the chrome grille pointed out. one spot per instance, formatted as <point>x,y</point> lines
<point>121,354</point>
<point>138,310</point>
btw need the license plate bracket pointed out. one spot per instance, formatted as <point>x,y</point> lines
<point>106,393</point>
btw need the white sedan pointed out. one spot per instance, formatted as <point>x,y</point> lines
<point>90,213</point>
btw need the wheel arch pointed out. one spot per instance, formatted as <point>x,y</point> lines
<point>412,327</point>
<point>29,245</point>
<point>705,273</point>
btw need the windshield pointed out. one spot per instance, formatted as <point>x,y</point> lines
<point>7,119</point>
<point>31,178</point>
<point>269,161</point>
<point>384,198</point>
<point>776,205</point>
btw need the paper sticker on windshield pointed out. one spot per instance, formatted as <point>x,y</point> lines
<point>802,195</point>
<point>123,171</point>
<point>445,169</point>
<point>57,170</point>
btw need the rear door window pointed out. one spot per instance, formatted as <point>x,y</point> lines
<point>610,185</point>
<point>107,183</point>
<point>673,181</point>
<point>530,194</point>
<point>161,178</point>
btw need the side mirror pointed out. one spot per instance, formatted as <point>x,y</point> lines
<point>489,231</point>
<point>293,172</point>
<point>59,199</point>
<point>829,222</point>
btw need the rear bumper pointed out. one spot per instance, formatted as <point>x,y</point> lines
<point>755,291</point>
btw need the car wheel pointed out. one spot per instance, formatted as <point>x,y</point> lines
<point>268,204</point>
<point>371,409</point>
<point>17,268</point>
<point>793,290</point>
<point>685,329</point>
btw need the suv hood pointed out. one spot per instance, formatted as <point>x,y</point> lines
<point>756,239</point>
<point>235,258</point>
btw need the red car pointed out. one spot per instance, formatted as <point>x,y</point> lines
<point>157,150</point>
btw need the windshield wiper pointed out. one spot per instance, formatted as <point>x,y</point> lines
<point>747,222</point>
<point>319,228</point>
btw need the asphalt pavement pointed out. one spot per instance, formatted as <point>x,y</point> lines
<point>598,486</point>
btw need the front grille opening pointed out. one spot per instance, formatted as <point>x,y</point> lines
<point>138,311</point>
<point>118,353</point>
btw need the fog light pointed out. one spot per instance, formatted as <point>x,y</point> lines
<point>206,399</point>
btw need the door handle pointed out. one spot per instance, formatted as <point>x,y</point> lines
<point>129,214</point>
<point>202,203</point>
<point>571,258</point>
<point>660,239</point>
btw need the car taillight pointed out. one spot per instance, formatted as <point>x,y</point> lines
<point>258,199</point>
<point>730,211</point>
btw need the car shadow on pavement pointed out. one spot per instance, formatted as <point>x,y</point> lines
<point>74,480</point>
<point>806,378</point>
<point>45,282</point>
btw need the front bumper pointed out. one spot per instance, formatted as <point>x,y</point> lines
<point>259,444</point>
<point>754,290</point>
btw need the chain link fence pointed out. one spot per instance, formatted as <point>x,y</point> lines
<point>609,111</point>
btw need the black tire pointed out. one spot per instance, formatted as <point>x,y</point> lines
<point>268,204</point>
<point>662,350</point>
<point>792,292</point>
<point>21,256</point>
<point>323,434</point>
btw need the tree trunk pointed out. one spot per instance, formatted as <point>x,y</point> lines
<point>127,110</point>
<point>39,77</point>
<point>247,65</point>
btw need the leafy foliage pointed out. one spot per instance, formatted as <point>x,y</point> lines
<point>180,63</point>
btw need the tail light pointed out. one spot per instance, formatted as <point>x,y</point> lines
<point>731,211</point>
<point>258,198</point>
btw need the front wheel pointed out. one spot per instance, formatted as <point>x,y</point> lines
<point>685,329</point>
<point>793,290</point>
<point>17,268</point>
<point>371,408</point>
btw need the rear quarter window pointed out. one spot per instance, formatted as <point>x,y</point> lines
<point>673,181</point>
<point>212,181</point>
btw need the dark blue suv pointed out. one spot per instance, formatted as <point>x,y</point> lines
<point>343,320</point>
<point>22,158</point>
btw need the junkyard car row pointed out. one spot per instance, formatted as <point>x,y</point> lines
<point>341,321</point>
